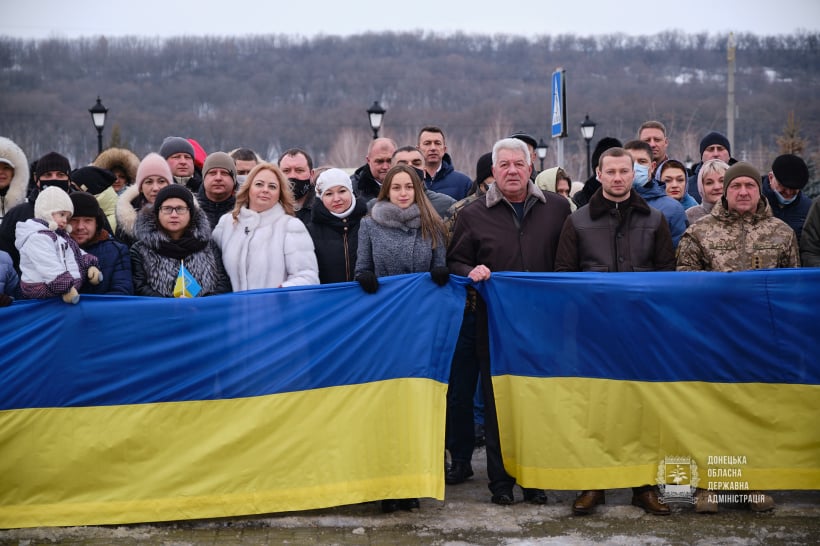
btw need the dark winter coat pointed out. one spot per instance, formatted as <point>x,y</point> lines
<point>213,209</point>
<point>114,262</point>
<point>794,214</point>
<point>605,238</point>
<point>488,231</point>
<point>449,181</point>
<point>336,241</point>
<point>365,186</point>
<point>155,273</point>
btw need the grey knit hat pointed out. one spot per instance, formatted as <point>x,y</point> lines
<point>219,160</point>
<point>175,145</point>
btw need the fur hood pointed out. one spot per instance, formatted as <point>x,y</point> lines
<point>16,192</point>
<point>119,157</point>
<point>148,230</point>
<point>126,211</point>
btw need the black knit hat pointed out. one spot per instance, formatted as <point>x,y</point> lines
<point>52,161</point>
<point>92,179</point>
<point>715,138</point>
<point>174,190</point>
<point>603,145</point>
<point>87,205</point>
<point>791,171</point>
<point>484,168</point>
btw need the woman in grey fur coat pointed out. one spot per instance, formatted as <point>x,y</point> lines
<point>171,232</point>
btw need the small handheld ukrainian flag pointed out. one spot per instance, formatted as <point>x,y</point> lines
<point>186,285</point>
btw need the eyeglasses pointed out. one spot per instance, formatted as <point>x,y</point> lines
<point>178,210</point>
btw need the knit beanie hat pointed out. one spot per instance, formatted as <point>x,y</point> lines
<point>741,168</point>
<point>52,161</point>
<point>219,160</point>
<point>92,179</point>
<point>153,165</point>
<point>791,171</point>
<point>199,153</point>
<point>484,168</point>
<point>174,190</point>
<point>175,145</point>
<point>715,138</point>
<point>86,205</point>
<point>50,200</point>
<point>331,178</point>
<point>603,145</point>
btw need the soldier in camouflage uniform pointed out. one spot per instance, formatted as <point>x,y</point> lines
<point>740,233</point>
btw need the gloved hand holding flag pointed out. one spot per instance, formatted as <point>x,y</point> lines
<point>186,285</point>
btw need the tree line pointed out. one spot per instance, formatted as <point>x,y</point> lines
<point>273,92</point>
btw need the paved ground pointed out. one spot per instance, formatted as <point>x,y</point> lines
<point>467,517</point>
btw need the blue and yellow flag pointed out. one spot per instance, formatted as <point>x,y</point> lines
<point>599,377</point>
<point>186,285</point>
<point>227,408</point>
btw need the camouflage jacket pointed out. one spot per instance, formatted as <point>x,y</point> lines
<point>727,241</point>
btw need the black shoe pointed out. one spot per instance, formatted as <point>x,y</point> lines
<point>458,472</point>
<point>390,505</point>
<point>535,496</point>
<point>504,499</point>
<point>409,504</point>
<point>478,432</point>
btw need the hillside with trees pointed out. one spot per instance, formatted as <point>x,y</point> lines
<point>274,92</point>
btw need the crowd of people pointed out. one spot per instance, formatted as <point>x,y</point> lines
<point>182,223</point>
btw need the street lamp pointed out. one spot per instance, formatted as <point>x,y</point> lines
<point>98,112</point>
<point>541,151</point>
<point>587,130</point>
<point>376,115</point>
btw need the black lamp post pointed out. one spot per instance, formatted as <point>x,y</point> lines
<point>376,115</point>
<point>541,152</point>
<point>98,112</point>
<point>587,131</point>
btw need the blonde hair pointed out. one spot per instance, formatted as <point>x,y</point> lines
<point>432,227</point>
<point>285,193</point>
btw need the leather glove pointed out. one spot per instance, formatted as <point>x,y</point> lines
<point>5,300</point>
<point>95,276</point>
<point>441,275</point>
<point>72,296</point>
<point>368,281</point>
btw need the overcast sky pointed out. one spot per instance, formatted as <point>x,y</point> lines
<point>72,18</point>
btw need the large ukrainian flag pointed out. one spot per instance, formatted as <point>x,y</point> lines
<point>599,377</point>
<point>125,409</point>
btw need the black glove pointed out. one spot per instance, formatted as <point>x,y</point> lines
<point>5,300</point>
<point>441,275</point>
<point>368,281</point>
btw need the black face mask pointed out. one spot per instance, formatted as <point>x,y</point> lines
<point>300,188</point>
<point>62,184</point>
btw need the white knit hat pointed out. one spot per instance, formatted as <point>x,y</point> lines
<point>50,200</point>
<point>331,178</point>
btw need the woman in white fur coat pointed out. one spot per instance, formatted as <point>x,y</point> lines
<point>263,244</point>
